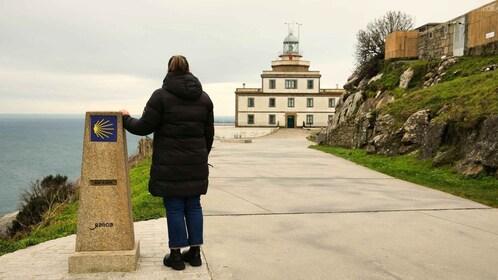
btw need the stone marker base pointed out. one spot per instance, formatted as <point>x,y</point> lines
<point>105,261</point>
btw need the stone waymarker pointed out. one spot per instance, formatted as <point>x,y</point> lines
<point>105,239</point>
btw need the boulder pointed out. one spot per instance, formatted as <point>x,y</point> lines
<point>446,157</point>
<point>363,84</point>
<point>434,77</point>
<point>415,127</point>
<point>383,98</point>
<point>482,147</point>
<point>375,78</point>
<point>353,81</point>
<point>429,75</point>
<point>341,135</point>
<point>365,124</point>
<point>370,149</point>
<point>385,140</point>
<point>470,169</point>
<point>384,124</point>
<point>485,149</point>
<point>367,105</point>
<point>347,109</point>
<point>5,224</point>
<point>432,140</point>
<point>406,78</point>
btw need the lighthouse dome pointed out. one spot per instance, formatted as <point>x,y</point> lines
<point>291,38</point>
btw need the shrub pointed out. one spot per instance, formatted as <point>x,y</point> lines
<point>42,198</point>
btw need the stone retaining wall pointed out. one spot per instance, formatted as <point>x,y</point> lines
<point>231,132</point>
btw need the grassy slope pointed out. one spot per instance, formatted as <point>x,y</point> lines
<point>63,222</point>
<point>469,94</point>
<point>469,99</point>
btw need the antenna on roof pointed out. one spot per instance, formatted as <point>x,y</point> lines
<point>290,26</point>
<point>298,34</point>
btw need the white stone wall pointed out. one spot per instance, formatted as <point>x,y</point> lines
<point>302,85</point>
<point>230,132</point>
<point>262,119</point>
<point>261,103</point>
<point>261,110</point>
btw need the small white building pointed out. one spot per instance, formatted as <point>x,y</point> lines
<point>290,95</point>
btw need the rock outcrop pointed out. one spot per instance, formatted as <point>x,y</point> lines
<point>434,77</point>
<point>480,149</point>
<point>356,124</point>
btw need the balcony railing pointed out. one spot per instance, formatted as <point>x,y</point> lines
<point>247,90</point>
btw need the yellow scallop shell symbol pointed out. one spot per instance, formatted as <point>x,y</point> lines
<point>103,129</point>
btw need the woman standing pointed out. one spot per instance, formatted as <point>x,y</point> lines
<point>180,114</point>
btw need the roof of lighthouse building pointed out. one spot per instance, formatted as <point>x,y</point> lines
<point>291,38</point>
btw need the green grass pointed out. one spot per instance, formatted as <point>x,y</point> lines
<point>470,95</point>
<point>483,189</point>
<point>469,99</point>
<point>468,66</point>
<point>144,205</point>
<point>64,220</point>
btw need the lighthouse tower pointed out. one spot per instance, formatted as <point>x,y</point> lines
<point>290,59</point>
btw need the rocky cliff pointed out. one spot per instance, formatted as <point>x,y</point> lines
<point>444,110</point>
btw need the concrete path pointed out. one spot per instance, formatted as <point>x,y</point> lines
<point>278,210</point>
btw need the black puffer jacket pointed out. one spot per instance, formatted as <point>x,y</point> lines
<point>181,116</point>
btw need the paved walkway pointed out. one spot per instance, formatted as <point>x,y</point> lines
<point>278,210</point>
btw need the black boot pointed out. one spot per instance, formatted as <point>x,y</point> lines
<point>193,256</point>
<point>174,260</point>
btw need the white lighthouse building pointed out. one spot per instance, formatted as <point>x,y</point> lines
<point>290,95</point>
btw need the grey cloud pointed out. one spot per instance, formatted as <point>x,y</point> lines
<point>226,41</point>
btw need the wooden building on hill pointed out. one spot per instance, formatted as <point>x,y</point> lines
<point>475,33</point>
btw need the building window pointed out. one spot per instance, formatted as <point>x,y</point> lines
<point>250,119</point>
<point>331,102</point>
<point>290,102</point>
<point>250,102</point>
<point>310,84</point>
<point>290,84</point>
<point>309,119</point>
<point>271,119</point>
<point>309,102</point>
<point>271,103</point>
<point>272,84</point>
<point>430,35</point>
<point>446,28</point>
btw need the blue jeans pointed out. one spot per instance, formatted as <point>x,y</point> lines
<point>185,221</point>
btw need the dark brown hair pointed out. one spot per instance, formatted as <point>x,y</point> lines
<point>178,63</point>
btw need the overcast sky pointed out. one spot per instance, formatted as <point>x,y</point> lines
<point>76,56</point>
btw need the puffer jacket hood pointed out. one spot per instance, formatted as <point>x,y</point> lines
<point>183,84</point>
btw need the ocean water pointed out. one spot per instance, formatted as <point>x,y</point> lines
<point>35,146</point>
